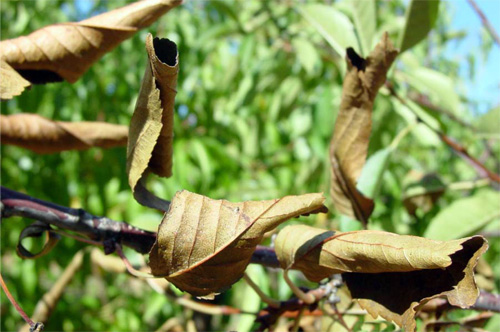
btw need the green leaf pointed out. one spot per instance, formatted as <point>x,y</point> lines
<point>489,123</point>
<point>439,87</point>
<point>365,21</point>
<point>372,174</point>
<point>420,18</point>
<point>333,25</point>
<point>465,216</point>
<point>306,54</point>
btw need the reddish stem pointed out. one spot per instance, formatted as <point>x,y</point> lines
<point>15,304</point>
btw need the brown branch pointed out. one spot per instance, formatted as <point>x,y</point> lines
<point>424,101</point>
<point>76,220</point>
<point>104,229</point>
<point>485,21</point>
<point>459,149</point>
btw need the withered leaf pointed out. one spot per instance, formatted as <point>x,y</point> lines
<point>151,128</point>
<point>351,135</point>
<point>67,50</point>
<point>36,133</point>
<point>11,84</point>
<point>391,275</point>
<point>204,245</point>
<point>37,229</point>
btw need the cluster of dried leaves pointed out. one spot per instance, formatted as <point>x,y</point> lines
<point>204,245</point>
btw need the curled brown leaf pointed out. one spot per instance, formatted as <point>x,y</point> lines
<point>151,128</point>
<point>36,133</point>
<point>204,245</point>
<point>67,50</point>
<point>11,84</point>
<point>391,275</point>
<point>351,135</point>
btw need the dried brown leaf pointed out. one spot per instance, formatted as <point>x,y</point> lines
<point>391,275</point>
<point>34,132</point>
<point>67,50</point>
<point>204,245</point>
<point>351,135</point>
<point>11,83</point>
<point>151,128</point>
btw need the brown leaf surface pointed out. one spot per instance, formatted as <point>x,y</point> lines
<point>11,83</point>
<point>351,135</point>
<point>151,128</point>
<point>36,133</point>
<point>67,50</point>
<point>392,275</point>
<point>204,245</point>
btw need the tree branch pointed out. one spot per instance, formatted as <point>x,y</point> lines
<point>76,220</point>
<point>485,21</point>
<point>455,146</point>
<point>101,229</point>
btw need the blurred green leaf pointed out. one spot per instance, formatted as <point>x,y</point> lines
<point>333,25</point>
<point>420,19</point>
<point>365,21</point>
<point>372,174</point>
<point>489,123</point>
<point>306,54</point>
<point>465,216</point>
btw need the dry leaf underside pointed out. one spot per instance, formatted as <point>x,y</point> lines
<point>12,84</point>
<point>41,135</point>
<point>151,128</point>
<point>351,135</point>
<point>67,50</point>
<point>204,245</point>
<point>391,275</point>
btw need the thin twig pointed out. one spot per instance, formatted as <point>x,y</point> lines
<point>485,21</point>
<point>263,296</point>
<point>133,271</point>
<point>16,305</point>
<point>296,323</point>
<point>459,149</point>
<point>423,100</point>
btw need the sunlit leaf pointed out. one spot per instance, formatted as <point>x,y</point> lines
<point>351,135</point>
<point>151,127</point>
<point>420,19</point>
<point>12,84</point>
<point>392,275</point>
<point>365,20</point>
<point>65,51</point>
<point>204,245</point>
<point>31,131</point>
<point>465,216</point>
<point>332,24</point>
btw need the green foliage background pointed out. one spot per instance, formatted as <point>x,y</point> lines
<point>259,87</point>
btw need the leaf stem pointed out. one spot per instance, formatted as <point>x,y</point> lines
<point>306,298</point>
<point>133,271</point>
<point>296,323</point>
<point>33,325</point>
<point>263,296</point>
